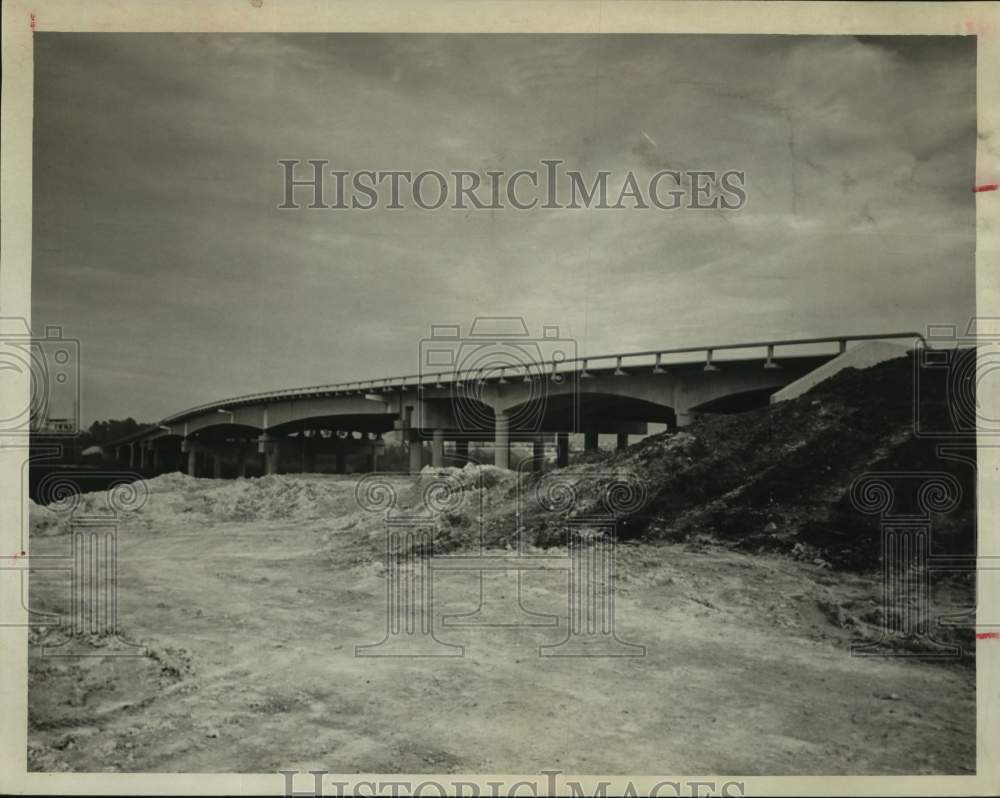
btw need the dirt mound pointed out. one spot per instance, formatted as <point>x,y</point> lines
<point>43,521</point>
<point>467,506</point>
<point>123,501</point>
<point>276,497</point>
<point>471,477</point>
<point>145,505</point>
<point>779,478</point>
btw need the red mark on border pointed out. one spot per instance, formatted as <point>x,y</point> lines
<point>987,635</point>
<point>978,28</point>
<point>986,187</point>
<point>33,20</point>
<point>16,555</point>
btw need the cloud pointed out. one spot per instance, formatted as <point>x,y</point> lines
<point>158,241</point>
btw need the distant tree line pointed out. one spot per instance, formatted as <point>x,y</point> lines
<point>102,432</point>
<point>73,450</point>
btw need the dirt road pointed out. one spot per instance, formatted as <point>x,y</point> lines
<point>250,628</point>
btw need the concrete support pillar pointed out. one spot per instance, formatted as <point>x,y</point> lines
<point>590,441</point>
<point>562,449</point>
<point>684,417</point>
<point>416,453</point>
<point>131,455</point>
<point>155,455</point>
<point>538,454</point>
<point>501,440</point>
<point>437,449</point>
<point>268,447</point>
<point>192,466</point>
<point>622,440</point>
<point>241,460</point>
<point>373,462</point>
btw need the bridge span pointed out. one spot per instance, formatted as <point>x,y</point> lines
<point>504,399</point>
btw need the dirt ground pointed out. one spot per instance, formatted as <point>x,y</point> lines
<point>250,610</point>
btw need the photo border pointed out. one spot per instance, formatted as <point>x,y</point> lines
<point>21,19</point>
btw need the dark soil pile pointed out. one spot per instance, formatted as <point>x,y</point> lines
<point>779,478</point>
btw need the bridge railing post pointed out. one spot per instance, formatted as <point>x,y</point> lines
<point>769,362</point>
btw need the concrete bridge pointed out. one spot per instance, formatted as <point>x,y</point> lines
<point>505,399</point>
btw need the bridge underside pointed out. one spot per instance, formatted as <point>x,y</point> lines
<point>343,431</point>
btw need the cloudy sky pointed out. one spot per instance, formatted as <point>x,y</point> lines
<point>158,242</point>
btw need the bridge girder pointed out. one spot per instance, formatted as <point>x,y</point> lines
<point>621,400</point>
